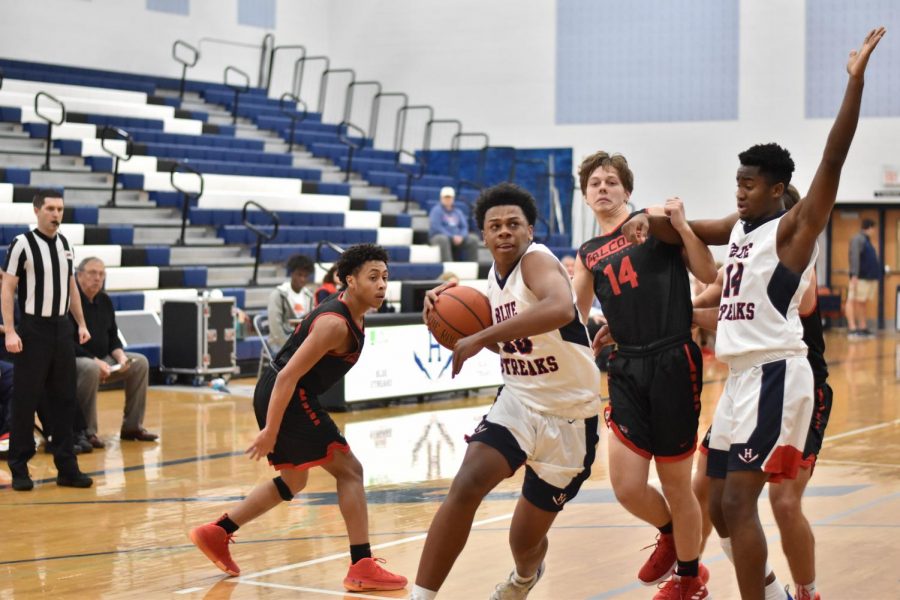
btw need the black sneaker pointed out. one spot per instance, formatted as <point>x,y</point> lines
<point>22,483</point>
<point>81,443</point>
<point>75,480</point>
<point>865,333</point>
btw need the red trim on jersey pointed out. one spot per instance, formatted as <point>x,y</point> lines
<point>783,463</point>
<point>329,456</point>
<point>678,457</point>
<point>348,322</point>
<point>703,450</point>
<point>813,309</point>
<point>628,443</point>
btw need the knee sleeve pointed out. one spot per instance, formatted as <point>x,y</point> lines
<point>283,490</point>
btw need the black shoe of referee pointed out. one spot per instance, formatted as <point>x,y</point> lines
<point>75,480</point>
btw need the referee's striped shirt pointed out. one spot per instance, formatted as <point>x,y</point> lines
<point>43,266</point>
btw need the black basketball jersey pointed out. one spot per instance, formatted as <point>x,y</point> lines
<point>643,289</point>
<point>330,367</point>
<point>814,338</point>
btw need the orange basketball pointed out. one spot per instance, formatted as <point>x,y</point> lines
<point>458,312</point>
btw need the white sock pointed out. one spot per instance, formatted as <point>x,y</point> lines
<point>420,593</point>
<point>726,548</point>
<point>523,580</point>
<point>809,587</point>
<point>775,591</point>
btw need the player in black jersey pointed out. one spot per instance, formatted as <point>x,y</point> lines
<point>797,538</point>
<point>655,371</point>
<point>297,434</point>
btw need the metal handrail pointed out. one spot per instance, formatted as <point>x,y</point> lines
<point>410,174</point>
<point>462,183</point>
<point>300,68</point>
<point>455,149</point>
<point>237,89</point>
<point>323,84</point>
<point>348,96</point>
<point>331,245</point>
<point>400,124</point>
<point>272,60</point>
<point>50,123</point>
<point>267,42</point>
<point>129,148</point>
<point>261,234</point>
<point>185,64</point>
<point>292,115</point>
<point>186,194</point>
<point>426,144</point>
<point>376,105</point>
<point>351,145</point>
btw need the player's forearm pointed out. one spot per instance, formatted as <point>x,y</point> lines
<point>278,401</point>
<point>547,315</point>
<point>841,135</point>
<point>661,228</point>
<point>706,318</point>
<point>699,259</point>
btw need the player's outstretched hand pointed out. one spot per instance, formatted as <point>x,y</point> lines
<point>262,445</point>
<point>465,349</point>
<point>856,65</point>
<point>637,228</point>
<point>431,295</point>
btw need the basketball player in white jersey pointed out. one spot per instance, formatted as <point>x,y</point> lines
<point>761,422</point>
<point>546,414</point>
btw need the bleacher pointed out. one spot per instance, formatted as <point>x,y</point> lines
<point>170,140</point>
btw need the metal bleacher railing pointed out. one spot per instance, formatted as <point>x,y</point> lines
<point>261,234</point>
<point>186,195</point>
<point>50,122</point>
<point>105,134</point>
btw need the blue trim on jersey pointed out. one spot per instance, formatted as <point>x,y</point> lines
<point>575,332</point>
<point>782,287</point>
<point>750,226</point>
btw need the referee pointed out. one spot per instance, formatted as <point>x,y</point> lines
<point>39,263</point>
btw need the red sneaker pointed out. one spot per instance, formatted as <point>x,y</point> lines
<point>682,588</point>
<point>369,576</point>
<point>213,542</point>
<point>703,573</point>
<point>661,563</point>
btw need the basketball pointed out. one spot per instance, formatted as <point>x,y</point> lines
<point>458,312</point>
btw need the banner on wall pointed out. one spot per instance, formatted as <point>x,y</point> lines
<point>405,360</point>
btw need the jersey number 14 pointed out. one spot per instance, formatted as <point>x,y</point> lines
<point>734,274</point>
<point>627,274</point>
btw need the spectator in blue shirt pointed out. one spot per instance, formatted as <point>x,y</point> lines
<point>865,272</point>
<point>449,230</point>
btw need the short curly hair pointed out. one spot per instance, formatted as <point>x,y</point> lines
<point>774,162</point>
<point>356,256</point>
<point>300,262</point>
<point>505,194</point>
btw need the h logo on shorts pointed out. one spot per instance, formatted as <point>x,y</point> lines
<point>561,499</point>
<point>748,456</point>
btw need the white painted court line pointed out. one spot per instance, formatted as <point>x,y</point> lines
<point>856,463</point>
<point>189,590</point>
<point>852,432</point>
<point>295,588</point>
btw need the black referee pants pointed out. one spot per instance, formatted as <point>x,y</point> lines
<point>45,368</point>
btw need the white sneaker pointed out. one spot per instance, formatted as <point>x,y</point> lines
<point>512,590</point>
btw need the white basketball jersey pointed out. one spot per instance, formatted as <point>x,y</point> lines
<point>553,372</point>
<point>758,311</point>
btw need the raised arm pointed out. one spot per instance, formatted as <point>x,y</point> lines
<point>712,232</point>
<point>801,226</point>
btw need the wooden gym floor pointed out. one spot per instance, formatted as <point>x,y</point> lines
<point>126,537</point>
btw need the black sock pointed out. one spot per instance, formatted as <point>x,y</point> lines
<point>666,529</point>
<point>688,568</point>
<point>359,552</point>
<point>227,524</point>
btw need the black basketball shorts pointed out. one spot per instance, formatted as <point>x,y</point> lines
<point>308,436</point>
<point>654,403</point>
